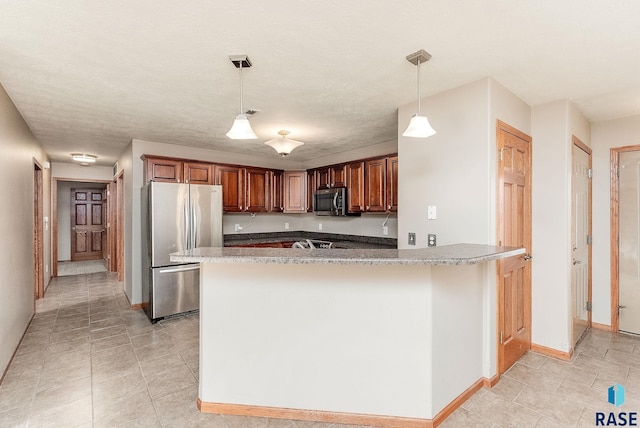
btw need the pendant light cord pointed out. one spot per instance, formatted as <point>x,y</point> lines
<point>241,88</point>
<point>419,91</point>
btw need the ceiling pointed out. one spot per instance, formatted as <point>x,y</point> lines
<point>91,76</point>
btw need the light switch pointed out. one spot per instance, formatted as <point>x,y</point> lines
<point>431,212</point>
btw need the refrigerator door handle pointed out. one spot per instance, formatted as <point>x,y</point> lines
<point>194,224</point>
<point>185,212</point>
<point>180,269</point>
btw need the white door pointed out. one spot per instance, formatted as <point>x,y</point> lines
<point>580,271</point>
<point>629,245</point>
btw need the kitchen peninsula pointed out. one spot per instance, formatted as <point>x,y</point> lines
<point>369,337</point>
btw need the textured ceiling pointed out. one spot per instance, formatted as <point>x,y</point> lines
<point>91,76</point>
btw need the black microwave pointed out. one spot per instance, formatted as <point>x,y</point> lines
<point>330,201</point>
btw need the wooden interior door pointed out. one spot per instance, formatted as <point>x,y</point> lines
<point>87,227</point>
<point>580,230</point>
<point>514,230</point>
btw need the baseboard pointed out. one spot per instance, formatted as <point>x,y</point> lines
<point>602,327</point>
<point>550,352</point>
<point>136,306</point>
<point>490,383</point>
<point>4,372</point>
<point>341,417</point>
<point>457,402</point>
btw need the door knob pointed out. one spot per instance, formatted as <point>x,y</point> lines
<point>527,257</point>
<point>576,262</point>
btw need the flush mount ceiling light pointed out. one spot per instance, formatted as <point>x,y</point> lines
<point>241,129</point>
<point>419,126</point>
<point>283,145</point>
<point>84,158</point>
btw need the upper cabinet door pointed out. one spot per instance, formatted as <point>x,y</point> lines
<point>375,187</point>
<point>198,173</point>
<point>256,190</point>
<point>295,191</point>
<point>322,178</point>
<point>355,187</point>
<point>277,187</point>
<point>163,169</point>
<point>232,180</point>
<point>392,184</point>
<point>338,176</point>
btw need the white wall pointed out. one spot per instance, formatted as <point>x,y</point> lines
<point>604,136</point>
<point>64,213</point>
<point>455,170</point>
<point>553,126</point>
<point>18,149</point>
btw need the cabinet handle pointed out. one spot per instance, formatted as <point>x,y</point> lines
<point>368,207</point>
<point>178,181</point>
<point>389,207</point>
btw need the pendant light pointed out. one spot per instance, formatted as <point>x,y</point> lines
<point>241,129</point>
<point>283,145</point>
<point>419,125</point>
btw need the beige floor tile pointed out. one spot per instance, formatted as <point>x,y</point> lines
<point>462,418</point>
<point>508,388</point>
<point>68,415</point>
<point>556,407</point>
<point>62,392</point>
<point>16,417</point>
<point>505,413</point>
<point>110,342</point>
<point>178,378</point>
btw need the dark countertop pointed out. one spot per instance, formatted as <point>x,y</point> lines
<point>339,240</point>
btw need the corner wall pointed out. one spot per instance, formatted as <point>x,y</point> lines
<point>553,125</point>
<point>18,149</point>
<point>455,170</point>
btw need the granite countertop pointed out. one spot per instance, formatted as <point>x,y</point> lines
<point>457,254</point>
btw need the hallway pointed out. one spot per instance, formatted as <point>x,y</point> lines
<point>88,360</point>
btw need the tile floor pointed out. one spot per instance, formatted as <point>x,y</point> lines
<point>88,360</point>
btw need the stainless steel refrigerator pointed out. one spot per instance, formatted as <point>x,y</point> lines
<point>176,217</point>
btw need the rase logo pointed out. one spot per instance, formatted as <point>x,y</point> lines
<point>616,397</point>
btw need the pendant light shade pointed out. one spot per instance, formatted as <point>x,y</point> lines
<point>419,126</point>
<point>283,145</point>
<point>241,128</point>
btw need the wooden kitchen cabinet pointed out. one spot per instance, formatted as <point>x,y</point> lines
<point>231,178</point>
<point>356,187</point>
<point>276,196</point>
<point>375,185</point>
<point>331,176</point>
<point>162,169</point>
<point>392,184</point>
<point>295,191</point>
<point>338,175</point>
<point>311,188</point>
<point>198,172</point>
<point>256,198</point>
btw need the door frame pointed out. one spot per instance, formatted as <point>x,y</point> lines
<point>504,127</point>
<point>38,232</point>
<point>582,146</point>
<point>54,216</point>
<point>615,232</point>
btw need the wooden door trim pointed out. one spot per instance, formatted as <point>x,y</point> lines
<point>582,146</point>
<point>615,232</point>
<point>506,128</point>
<point>38,232</point>
<point>54,216</point>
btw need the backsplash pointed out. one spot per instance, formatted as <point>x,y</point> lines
<point>364,225</point>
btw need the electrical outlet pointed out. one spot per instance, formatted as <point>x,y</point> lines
<point>238,227</point>
<point>412,238</point>
<point>286,226</point>
<point>319,226</point>
<point>385,230</point>
<point>431,240</point>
